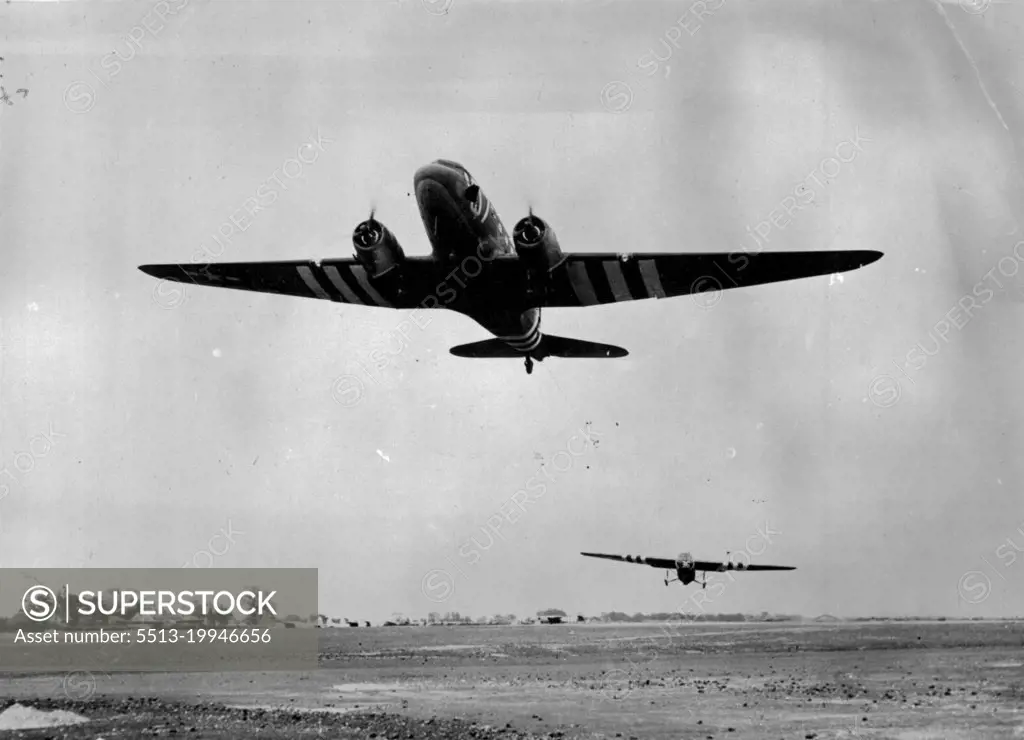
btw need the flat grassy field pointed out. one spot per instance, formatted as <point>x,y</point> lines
<point>900,680</point>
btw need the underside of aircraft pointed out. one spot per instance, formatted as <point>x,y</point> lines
<point>502,281</point>
<point>686,568</point>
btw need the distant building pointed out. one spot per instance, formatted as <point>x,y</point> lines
<point>550,616</point>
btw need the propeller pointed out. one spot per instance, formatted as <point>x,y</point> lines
<point>529,230</point>
<point>369,232</point>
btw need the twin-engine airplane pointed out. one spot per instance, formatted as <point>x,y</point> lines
<point>685,567</point>
<point>502,282</point>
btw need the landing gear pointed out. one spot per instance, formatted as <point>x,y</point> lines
<point>689,579</point>
<point>529,365</point>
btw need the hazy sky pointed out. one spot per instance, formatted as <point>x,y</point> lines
<point>776,406</point>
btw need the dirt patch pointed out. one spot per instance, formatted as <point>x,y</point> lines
<point>18,717</point>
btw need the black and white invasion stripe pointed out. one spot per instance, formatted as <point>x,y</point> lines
<point>600,280</point>
<point>593,281</point>
<point>528,340</point>
<point>342,282</point>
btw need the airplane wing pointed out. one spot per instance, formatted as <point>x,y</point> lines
<point>663,563</point>
<point>709,566</point>
<point>595,279</point>
<point>581,280</point>
<point>339,280</point>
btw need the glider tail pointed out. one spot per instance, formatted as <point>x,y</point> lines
<point>550,346</point>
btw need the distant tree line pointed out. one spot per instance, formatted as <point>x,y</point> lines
<point>211,618</point>
<point>691,617</point>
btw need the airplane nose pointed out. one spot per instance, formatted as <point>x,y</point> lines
<point>438,191</point>
<point>426,172</point>
<point>433,171</point>
<point>439,173</point>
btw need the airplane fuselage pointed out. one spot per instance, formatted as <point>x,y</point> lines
<point>685,571</point>
<point>466,235</point>
<point>459,219</point>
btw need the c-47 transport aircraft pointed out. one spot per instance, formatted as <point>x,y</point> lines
<point>502,282</point>
<point>685,566</point>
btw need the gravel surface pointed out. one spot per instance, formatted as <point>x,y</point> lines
<point>134,717</point>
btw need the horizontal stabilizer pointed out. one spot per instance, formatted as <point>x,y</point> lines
<point>553,346</point>
<point>550,346</point>
<point>489,348</point>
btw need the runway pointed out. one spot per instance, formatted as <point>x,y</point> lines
<point>904,680</point>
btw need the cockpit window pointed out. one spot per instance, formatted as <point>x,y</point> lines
<point>453,165</point>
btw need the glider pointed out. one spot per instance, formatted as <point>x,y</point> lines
<point>685,567</point>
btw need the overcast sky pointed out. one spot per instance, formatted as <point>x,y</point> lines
<point>888,476</point>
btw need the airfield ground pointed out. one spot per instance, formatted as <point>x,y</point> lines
<point>906,681</point>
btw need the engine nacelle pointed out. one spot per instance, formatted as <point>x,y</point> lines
<point>536,245</point>
<point>377,249</point>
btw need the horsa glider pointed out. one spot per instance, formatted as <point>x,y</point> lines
<point>685,567</point>
<point>502,282</point>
